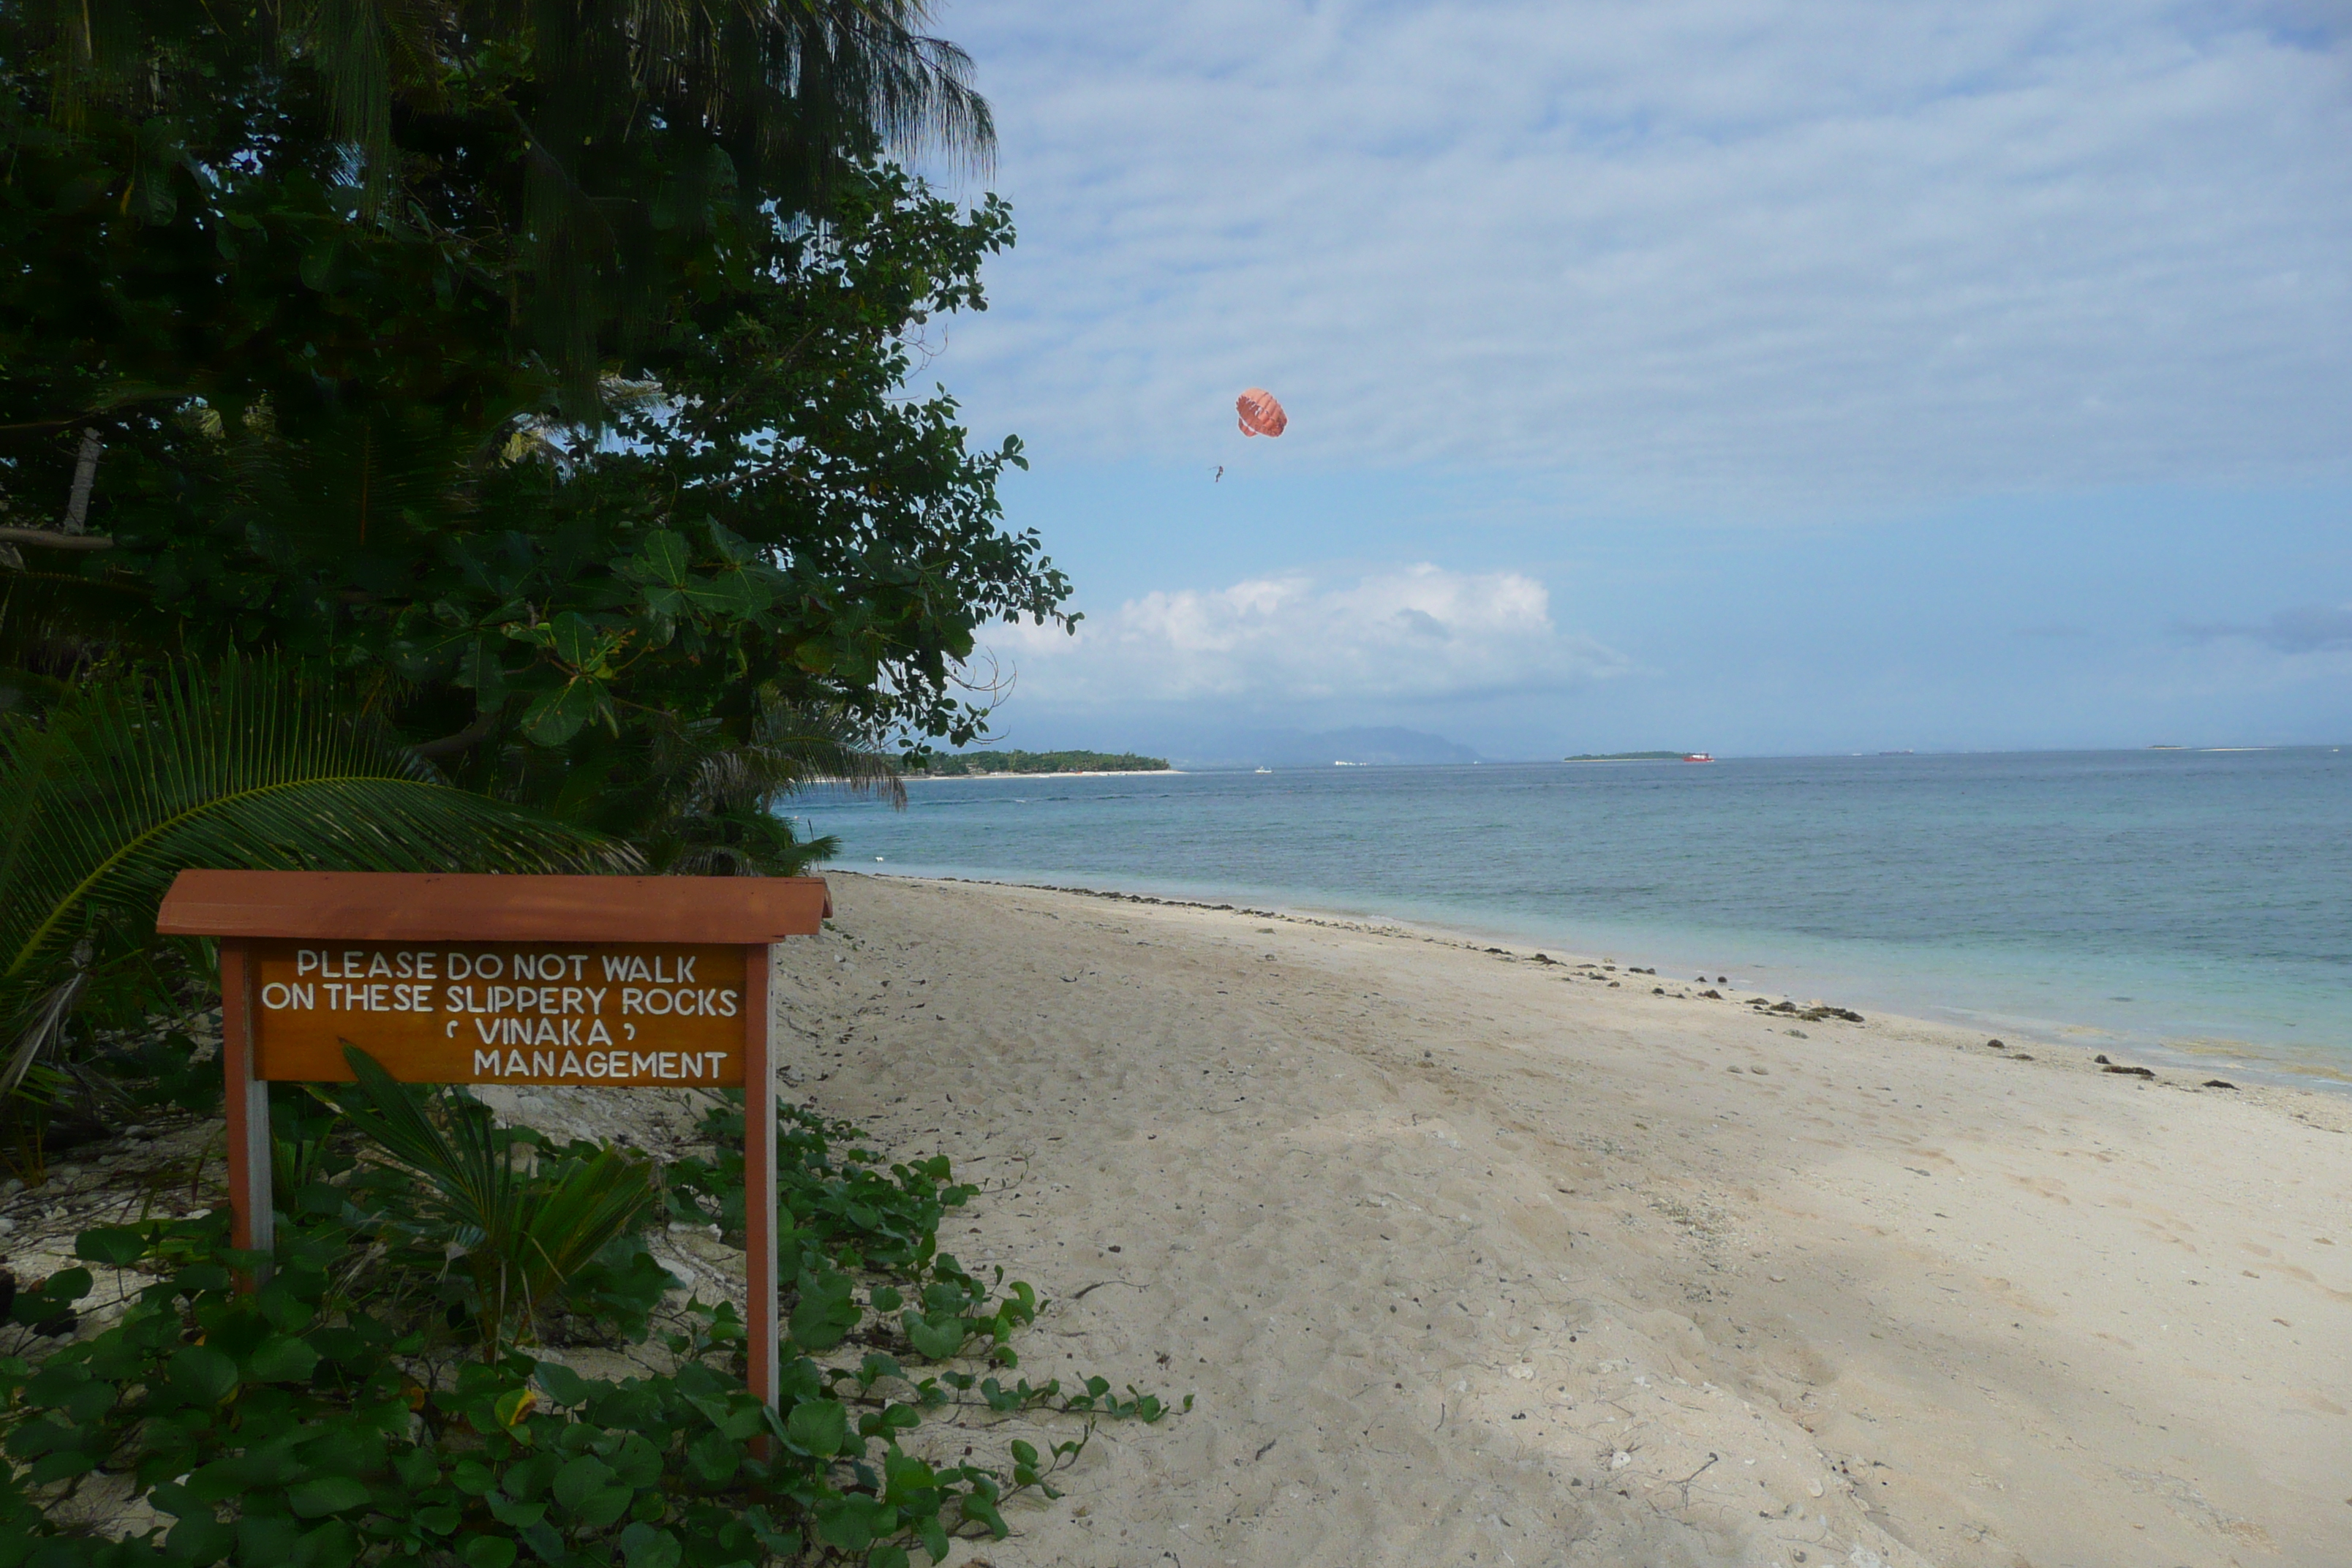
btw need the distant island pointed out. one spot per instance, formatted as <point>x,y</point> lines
<point>977,765</point>
<point>1627,757</point>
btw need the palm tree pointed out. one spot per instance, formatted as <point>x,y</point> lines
<point>719,804</point>
<point>130,777</point>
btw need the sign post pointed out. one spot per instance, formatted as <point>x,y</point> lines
<point>622,982</point>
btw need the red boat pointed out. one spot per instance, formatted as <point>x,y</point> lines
<point>1698,757</point>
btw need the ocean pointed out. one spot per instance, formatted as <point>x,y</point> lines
<point>2191,906</point>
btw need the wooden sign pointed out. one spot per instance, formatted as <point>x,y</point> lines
<point>624,982</point>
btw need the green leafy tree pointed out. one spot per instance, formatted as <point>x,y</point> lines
<point>540,368</point>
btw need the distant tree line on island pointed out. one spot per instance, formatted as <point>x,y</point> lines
<point>969,764</point>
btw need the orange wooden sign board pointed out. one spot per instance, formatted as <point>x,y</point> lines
<point>626,982</point>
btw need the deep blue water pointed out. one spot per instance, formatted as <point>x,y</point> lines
<point>2180,901</point>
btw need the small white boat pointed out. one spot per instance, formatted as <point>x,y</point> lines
<point>1698,756</point>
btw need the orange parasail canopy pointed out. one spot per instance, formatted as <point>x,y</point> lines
<point>1261,414</point>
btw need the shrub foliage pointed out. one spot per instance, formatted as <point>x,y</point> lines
<point>370,1403</point>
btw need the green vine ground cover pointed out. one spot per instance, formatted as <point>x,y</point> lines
<point>384,1398</point>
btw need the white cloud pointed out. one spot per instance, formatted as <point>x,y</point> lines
<point>1672,249</point>
<point>1412,636</point>
<point>2305,628</point>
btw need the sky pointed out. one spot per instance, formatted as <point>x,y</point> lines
<point>1715,375</point>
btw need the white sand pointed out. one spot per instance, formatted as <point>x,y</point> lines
<point>1466,1261</point>
<point>1469,1261</point>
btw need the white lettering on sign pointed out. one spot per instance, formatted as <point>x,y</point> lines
<point>660,970</point>
<point>568,1016</point>
<point>403,964</point>
<point>681,1066</point>
<point>506,1012</point>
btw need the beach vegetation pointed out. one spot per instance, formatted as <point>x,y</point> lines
<point>477,437</point>
<point>131,775</point>
<point>536,380</point>
<point>545,376</point>
<point>404,1387</point>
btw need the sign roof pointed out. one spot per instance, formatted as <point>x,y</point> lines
<point>400,906</point>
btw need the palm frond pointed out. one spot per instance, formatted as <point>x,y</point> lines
<point>126,781</point>
<point>522,1237</point>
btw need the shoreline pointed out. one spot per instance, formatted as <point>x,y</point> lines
<point>1450,1254</point>
<point>2247,1059</point>
<point>1464,1253</point>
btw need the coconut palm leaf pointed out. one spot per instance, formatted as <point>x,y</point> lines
<point>520,1235</point>
<point>719,798</point>
<point>128,779</point>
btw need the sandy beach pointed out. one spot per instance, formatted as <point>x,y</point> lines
<point>1470,1258</point>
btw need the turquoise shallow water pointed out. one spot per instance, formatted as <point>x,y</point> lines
<point>2176,902</point>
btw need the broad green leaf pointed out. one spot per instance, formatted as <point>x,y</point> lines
<point>602,1508</point>
<point>729,544</point>
<point>488,1552</point>
<point>904,1474</point>
<point>935,1339</point>
<point>580,1479</point>
<point>636,1462</point>
<point>818,1426</point>
<point>643,1546</point>
<point>853,1521</point>
<point>199,1539</point>
<point>119,1246</point>
<point>564,1386</point>
<point>826,1310</point>
<point>281,1358</point>
<point>728,593</point>
<point>330,1545</point>
<point>56,1294</point>
<point>318,266</point>
<point>576,640</point>
<point>202,1375</point>
<point>558,715</point>
<point>714,1457</point>
<point>58,1466</point>
<point>326,1495</point>
<point>662,557</point>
